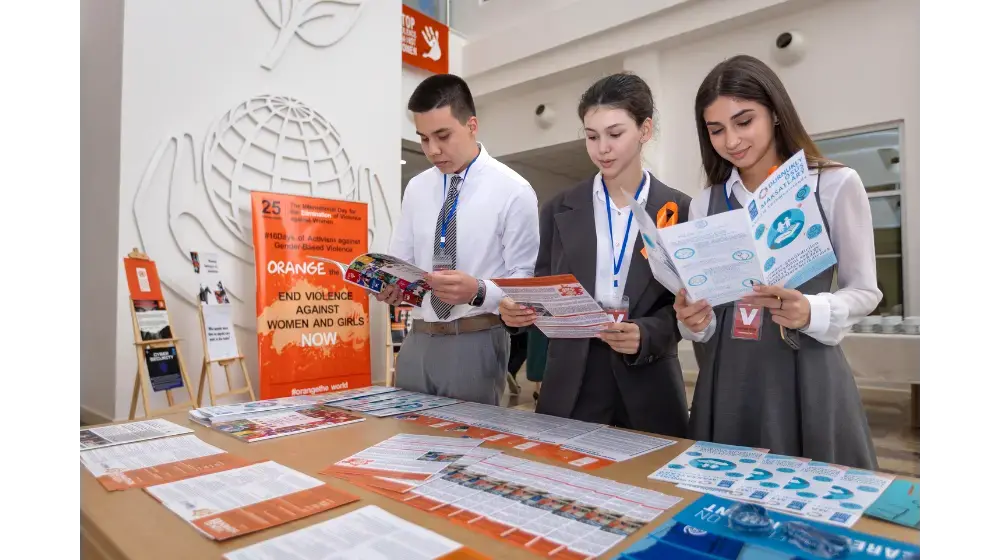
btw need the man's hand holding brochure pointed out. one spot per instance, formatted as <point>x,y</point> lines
<point>779,239</point>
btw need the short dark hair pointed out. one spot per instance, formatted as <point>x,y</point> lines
<point>620,91</point>
<point>443,90</point>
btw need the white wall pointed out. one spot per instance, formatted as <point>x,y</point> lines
<point>186,64</point>
<point>861,68</point>
<point>101,28</point>
<point>508,121</point>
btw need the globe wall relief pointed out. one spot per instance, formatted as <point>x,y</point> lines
<point>198,198</point>
<point>318,23</point>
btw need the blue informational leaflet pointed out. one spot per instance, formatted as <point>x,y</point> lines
<point>702,531</point>
<point>779,239</point>
<point>900,504</point>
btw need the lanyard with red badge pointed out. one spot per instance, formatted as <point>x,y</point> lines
<point>748,318</point>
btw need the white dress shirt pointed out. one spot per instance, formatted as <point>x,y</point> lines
<point>497,221</point>
<point>604,280</point>
<point>845,202</point>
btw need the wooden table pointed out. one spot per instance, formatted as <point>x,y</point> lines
<point>132,525</point>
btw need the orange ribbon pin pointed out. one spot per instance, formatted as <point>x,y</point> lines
<point>666,216</point>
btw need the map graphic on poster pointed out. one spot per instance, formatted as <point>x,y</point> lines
<point>312,327</point>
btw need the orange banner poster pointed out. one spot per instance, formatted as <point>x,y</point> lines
<point>425,42</point>
<point>312,327</point>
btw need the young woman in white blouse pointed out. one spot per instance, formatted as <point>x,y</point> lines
<point>790,390</point>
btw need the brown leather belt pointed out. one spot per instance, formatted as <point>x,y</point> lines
<point>464,325</point>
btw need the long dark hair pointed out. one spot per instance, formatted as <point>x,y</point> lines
<point>745,77</point>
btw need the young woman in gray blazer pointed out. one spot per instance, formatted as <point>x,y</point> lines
<point>629,377</point>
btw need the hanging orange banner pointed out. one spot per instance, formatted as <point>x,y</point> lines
<point>425,42</point>
<point>312,328</point>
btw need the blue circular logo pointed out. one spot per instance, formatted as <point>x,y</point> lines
<point>797,484</point>
<point>751,282</point>
<point>760,231</point>
<point>698,280</point>
<point>743,255</point>
<point>770,484</point>
<point>802,193</point>
<point>850,505</point>
<point>684,253</point>
<point>760,474</point>
<point>694,453</point>
<point>748,461</point>
<point>677,467</point>
<point>867,489</point>
<point>814,231</point>
<point>713,464</point>
<point>785,470</point>
<point>822,479</point>
<point>809,495</point>
<point>734,475</point>
<point>839,493</point>
<point>769,264</point>
<point>786,228</point>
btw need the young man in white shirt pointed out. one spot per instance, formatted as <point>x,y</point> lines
<point>468,219</point>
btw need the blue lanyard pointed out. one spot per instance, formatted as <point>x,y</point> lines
<point>617,263</point>
<point>454,205</point>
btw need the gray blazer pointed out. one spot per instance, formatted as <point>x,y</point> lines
<point>650,382</point>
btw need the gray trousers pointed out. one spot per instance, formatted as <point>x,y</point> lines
<point>470,366</point>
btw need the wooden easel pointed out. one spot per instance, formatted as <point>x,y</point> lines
<point>206,369</point>
<point>140,354</point>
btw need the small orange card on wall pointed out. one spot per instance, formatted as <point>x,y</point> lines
<point>425,42</point>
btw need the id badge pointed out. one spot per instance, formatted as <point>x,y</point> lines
<point>441,262</point>
<point>747,320</point>
<point>617,311</point>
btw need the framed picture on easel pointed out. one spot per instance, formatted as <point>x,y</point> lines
<point>159,362</point>
<point>218,333</point>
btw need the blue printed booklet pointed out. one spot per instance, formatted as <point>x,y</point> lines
<point>702,531</point>
<point>900,504</point>
<point>778,239</point>
<point>711,465</point>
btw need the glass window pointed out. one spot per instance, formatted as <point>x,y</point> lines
<point>436,9</point>
<point>875,156</point>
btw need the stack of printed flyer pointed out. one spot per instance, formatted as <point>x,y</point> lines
<point>580,444</point>
<point>273,418</point>
<point>368,532</point>
<point>390,403</point>
<point>551,511</point>
<point>830,493</point>
<point>220,494</point>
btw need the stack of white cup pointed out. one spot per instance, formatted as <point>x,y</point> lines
<point>891,324</point>
<point>911,325</point>
<point>867,325</point>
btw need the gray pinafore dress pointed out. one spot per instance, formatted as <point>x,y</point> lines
<point>802,403</point>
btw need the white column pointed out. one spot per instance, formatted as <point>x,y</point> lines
<point>646,65</point>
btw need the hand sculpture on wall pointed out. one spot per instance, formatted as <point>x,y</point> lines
<point>199,199</point>
<point>320,23</point>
